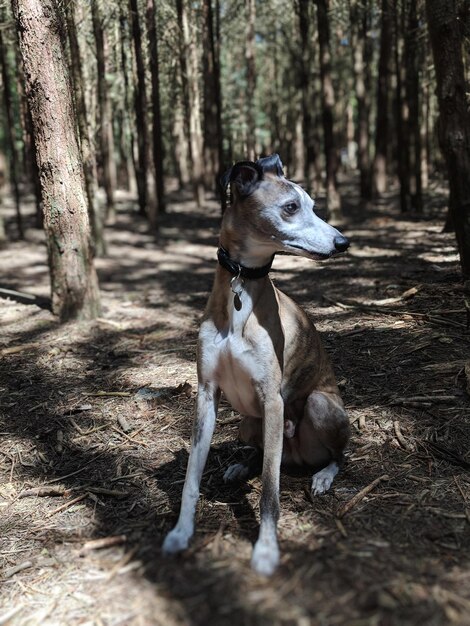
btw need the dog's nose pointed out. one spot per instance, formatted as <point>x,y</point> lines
<point>341,243</point>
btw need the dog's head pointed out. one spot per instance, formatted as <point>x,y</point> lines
<point>273,214</point>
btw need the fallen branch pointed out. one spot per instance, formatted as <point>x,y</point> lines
<point>350,504</point>
<point>41,492</point>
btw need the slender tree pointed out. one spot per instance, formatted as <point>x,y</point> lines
<point>88,155</point>
<point>333,199</point>
<point>454,117</point>
<point>250,79</point>
<point>157,140</point>
<point>10,129</point>
<point>140,104</point>
<point>74,283</point>
<point>383,87</point>
<point>361,47</point>
<point>106,139</point>
<point>189,65</point>
<point>213,152</point>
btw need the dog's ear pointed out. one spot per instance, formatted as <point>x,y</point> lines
<point>271,164</point>
<point>244,176</point>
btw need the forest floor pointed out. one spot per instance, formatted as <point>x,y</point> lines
<point>98,415</point>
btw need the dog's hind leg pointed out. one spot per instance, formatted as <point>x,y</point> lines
<point>203,428</point>
<point>251,434</point>
<point>323,436</point>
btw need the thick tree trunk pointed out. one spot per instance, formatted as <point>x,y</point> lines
<point>10,133</point>
<point>379,180</point>
<point>157,141</point>
<point>140,103</point>
<point>454,117</point>
<point>104,108</point>
<point>213,156</point>
<point>88,156</point>
<point>74,283</point>
<point>333,199</point>
<point>250,79</point>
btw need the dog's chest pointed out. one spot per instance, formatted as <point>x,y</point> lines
<point>239,359</point>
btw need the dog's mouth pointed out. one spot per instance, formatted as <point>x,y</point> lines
<point>316,256</point>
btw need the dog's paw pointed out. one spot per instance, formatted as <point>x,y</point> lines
<point>323,479</point>
<point>265,558</point>
<point>235,473</point>
<point>176,541</point>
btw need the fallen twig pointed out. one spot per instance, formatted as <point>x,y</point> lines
<point>17,349</point>
<point>6,617</point>
<point>104,542</point>
<point>400,438</point>
<point>68,504</point>
<point>11,571</point>
<point>350,504</point>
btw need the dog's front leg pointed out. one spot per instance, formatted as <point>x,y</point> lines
<point>203,428</point>
<point>266,551</point>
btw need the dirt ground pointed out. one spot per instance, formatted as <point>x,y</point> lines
<point>98,416</point>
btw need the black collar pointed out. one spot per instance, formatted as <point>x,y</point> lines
<point>240,270</point>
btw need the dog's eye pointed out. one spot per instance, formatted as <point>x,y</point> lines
<point>291,207</point>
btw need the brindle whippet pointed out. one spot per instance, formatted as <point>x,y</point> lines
<point>259,348</point>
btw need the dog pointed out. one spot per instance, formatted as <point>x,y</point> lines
<point>260,348</point>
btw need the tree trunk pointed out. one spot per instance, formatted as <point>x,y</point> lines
<point>305,86</point>
<point>361,46</point>
<point>401,111</point>
<point>88,156</point>
<point>74,283</point>
<point>413,54</point>
<point>140,104</point>
<point>333,199</point>
<point>132,165</point>
<point>213,156</point>
<point>104,107</point>
<point>10,132</point>
<point>191,99</point>
<point>454,118</point>
<point>250,79</point>
<point>379,181</point>
<point>158,155</point>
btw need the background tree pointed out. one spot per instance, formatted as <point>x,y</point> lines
<point>454,117</point>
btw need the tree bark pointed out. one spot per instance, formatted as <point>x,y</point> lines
<point>10,133</point>
<point>250,79</point>
<point>333,199</point>
<point>88,156</point>
<point>379,181</point>
<point>401,110</point>
<point>104,107</point>
<point>413,54</point>
<point>305,86</point>
<point>213,153</point>
<point>74,282</point>
<point>454,117</point>
<point>191,99</point>
<point>140,104</point>
<point>362,56</point>
<point>157,141</point>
